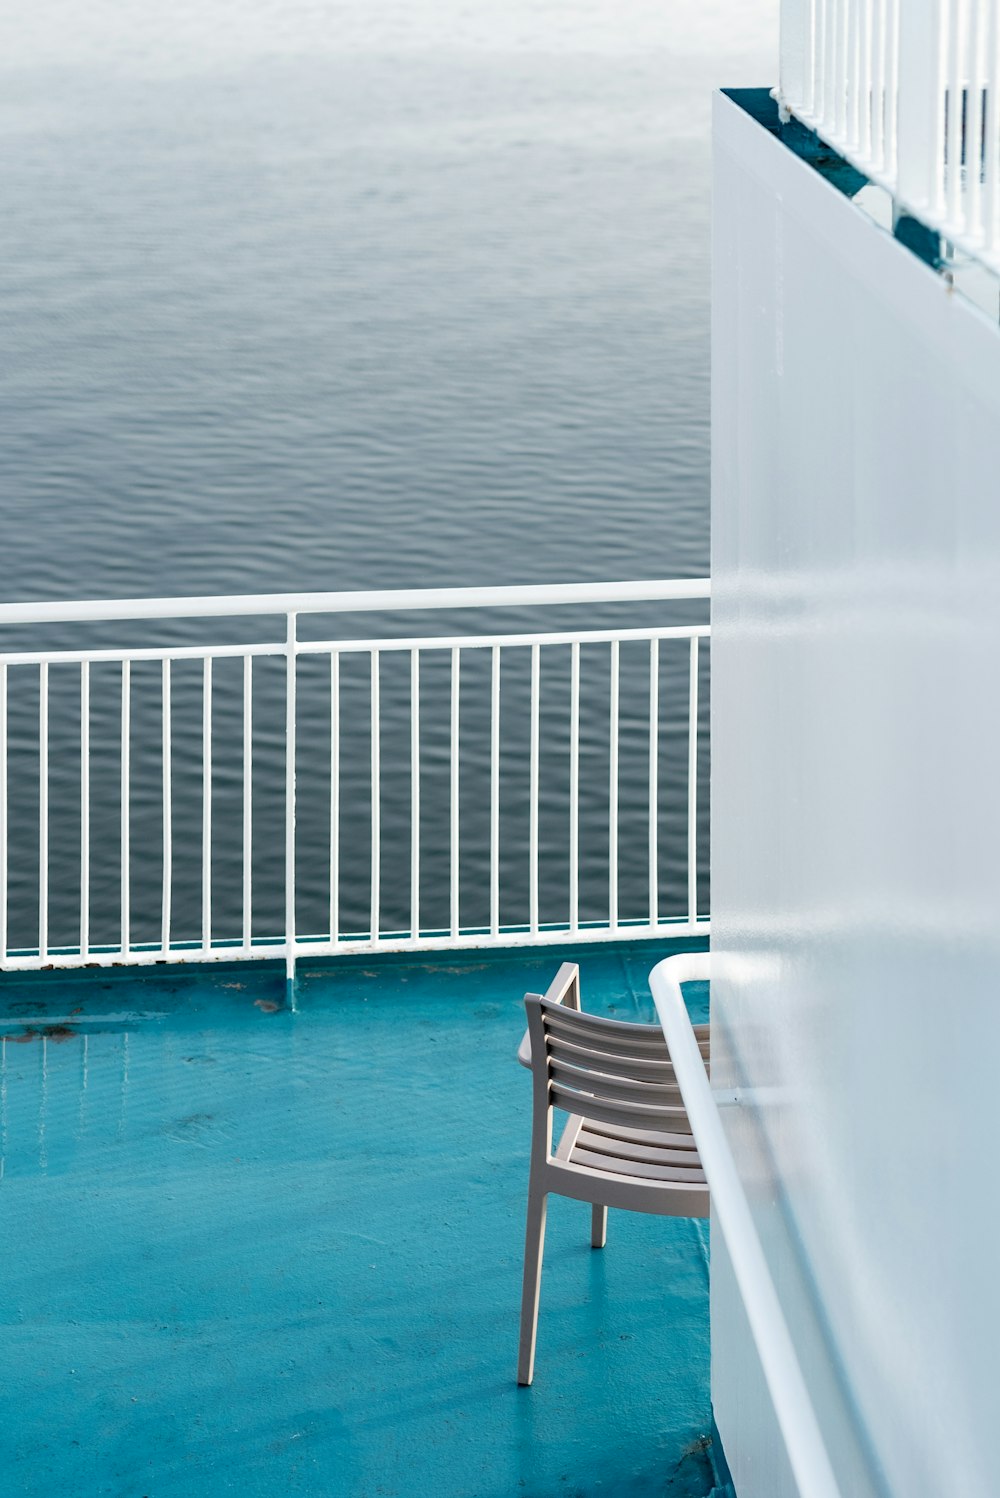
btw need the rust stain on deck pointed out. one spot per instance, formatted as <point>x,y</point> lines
<point>58,1033</point>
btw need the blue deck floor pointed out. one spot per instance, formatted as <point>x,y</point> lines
<point>256,1252</point>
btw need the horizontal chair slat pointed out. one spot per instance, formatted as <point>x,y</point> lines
<point>641,1136</point>
<point>626,1149</point>
<point>612,1033</point>
<point>596,1084</point>
<point>623,1167</point>
<point>607,1045</point>
<point>672,1120</point>
<point>654,1070</point>
<point>570,1023</point>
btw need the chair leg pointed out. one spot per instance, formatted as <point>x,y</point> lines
<point>534,1243</point>
<point>598,1226</point>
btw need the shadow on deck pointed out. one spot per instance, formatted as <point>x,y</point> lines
<point>257,1252</point>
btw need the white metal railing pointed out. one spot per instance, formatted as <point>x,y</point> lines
<point>292,793</point>
<point>909,92</point>
<point>793,1406</point>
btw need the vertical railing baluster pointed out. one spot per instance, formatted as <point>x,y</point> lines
<point>613,786</point>
<point>866,85</point>
<point>376,783</point>
<point>533,792</point>
<point>495,793</point>
<point>654,781</point>
<point>843,65</point>
<point>84,808</point>
<point>574,787</point>
<point>832,63</point>
<point>853,69</point>
<point>126,808</point>
<point>290,704</point>
<point>991,153</point>
<point>956,57</point>
<point>3,812</point>
<point>43,812</point>
<point>833,32</point>
<point>937,150</point>
<point>974,125</point>
<point>692,812</point>
<point>334,796</point>
<point>891,154</point>
<point>415,794</point>
<point>822,34</point>
<point>794,53</point>
<point>247,803</point>
<point>456,665</point>
<point>206,805</point>
<point>878,66</point>
<point>166,803</point>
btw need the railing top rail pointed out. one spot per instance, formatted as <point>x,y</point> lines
<point>380,600</point>
<point>383,645</point>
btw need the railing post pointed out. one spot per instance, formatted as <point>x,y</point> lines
<point>920,125</point>
<point>454,867</point>
<point>84,811</point>
<point>334,797</point>
<point>126,808</point>
<point>247,803</point>
<point>206,806</point>
<point>794,60</point>
<point>533,773</point>
<point>495,792</point>
<point>415,794</point>
<point>3,814</point>
<point>43,820</point>
<point>166,777</point>
<point>290,674</point>
<point>692,810</point>
<point>613,734</point>
<point>375,904</point>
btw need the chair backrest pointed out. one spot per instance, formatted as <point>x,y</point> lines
<point>613,1071</point>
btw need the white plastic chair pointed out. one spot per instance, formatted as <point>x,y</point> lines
<point>627,1142</point>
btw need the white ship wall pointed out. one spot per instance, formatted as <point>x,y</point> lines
<point>856,827</point>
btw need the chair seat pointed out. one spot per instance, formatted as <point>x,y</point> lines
<point>645,1153</point>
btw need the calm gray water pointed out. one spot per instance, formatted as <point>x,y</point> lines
<point>304,295</point>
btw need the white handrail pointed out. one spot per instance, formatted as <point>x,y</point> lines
<point>807,1453</point>
<point>388,643</point>
<point>385,600</point>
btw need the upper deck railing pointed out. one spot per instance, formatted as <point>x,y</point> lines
<point>909,92</point>
<point>203,778</point>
